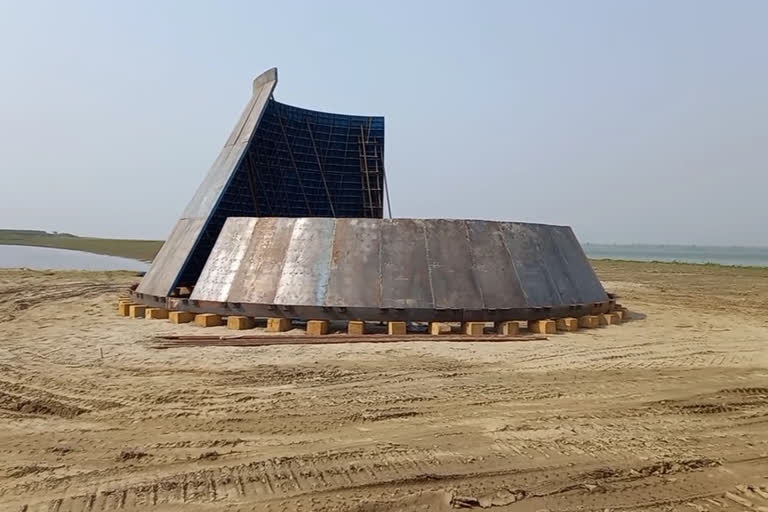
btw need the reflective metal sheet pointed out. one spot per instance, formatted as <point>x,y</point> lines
<point>259,279</point>
<point>223,266</point>
<point>396,269</point>
<point>355,278</point>
<point>304,280</point>
<point>405,279</point>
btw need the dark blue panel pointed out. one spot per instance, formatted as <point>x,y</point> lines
<point>313,164</point>
<point>301,163</point>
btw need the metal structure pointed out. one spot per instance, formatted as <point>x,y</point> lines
<point>288,223</point>
<point>395,269</point>
<point>279,161</point>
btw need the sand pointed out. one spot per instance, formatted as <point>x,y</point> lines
<point>666,412</point>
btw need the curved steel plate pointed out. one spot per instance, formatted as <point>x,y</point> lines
<point>412,269</point>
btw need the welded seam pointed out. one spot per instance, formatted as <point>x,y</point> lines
<point>512,262</point>
<point>429,264</point>
<point>474,264</point>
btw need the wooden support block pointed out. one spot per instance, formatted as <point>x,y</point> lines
<point>279,324</point>
<point>396,328</point>
<point>567,324</point>
<point>124,308</point>
<point>137,310</point>
<point>180,317</point>
<point>182,291</point>
<point>473,328</point>
<point>542,326</point>
<point>356,327</point>
<point>507,328</point>
<point>156,313</point>
<point>621,314</point>
<point>609,319</point>
<point>239,323</point>
<point>439,328</point>
<point>589,321</point>
<point>317,327</point>
<point>208,320</point>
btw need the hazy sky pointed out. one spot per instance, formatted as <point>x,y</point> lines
<point>632,121</point>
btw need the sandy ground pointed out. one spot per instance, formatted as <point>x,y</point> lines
<point>666,412</point>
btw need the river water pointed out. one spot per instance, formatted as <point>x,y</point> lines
<point>44,258</point>
<point>745,256</point>
<point>39,258</point>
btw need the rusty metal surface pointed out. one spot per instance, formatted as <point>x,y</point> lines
<point>388,269</point>
<point>260,277</point>
<point>355,260</point>
<point>170,261</point>
<point>228,264</point>
<point>307,261</point>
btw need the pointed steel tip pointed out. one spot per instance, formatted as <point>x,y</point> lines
<point>269,75</point>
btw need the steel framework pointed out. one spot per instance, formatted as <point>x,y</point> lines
<point>289,222</point>
<point>280,161</point>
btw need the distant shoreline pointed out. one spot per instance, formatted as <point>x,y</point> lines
<point>682,246</point>
<point>145,250</point>
<point>675,262</point>
<point>142,250</point>
<point>692,254</point>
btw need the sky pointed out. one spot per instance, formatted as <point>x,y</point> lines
<point>631,121</point>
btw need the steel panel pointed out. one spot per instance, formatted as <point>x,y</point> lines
<point>356,264</point>
<point>304,280</point>
<point>521,241</point>
<point>222,267</point>
<point>451,265</point>
<point>494,269</point>
<point>589,287</point>
<point>258,282</point>
<point>404,269</point>
<point>395,269</point>
<point>557,267</point>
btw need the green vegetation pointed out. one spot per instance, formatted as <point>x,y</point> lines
<point>144,250</point>
<point>604,262</point>
<point>604,265</point>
